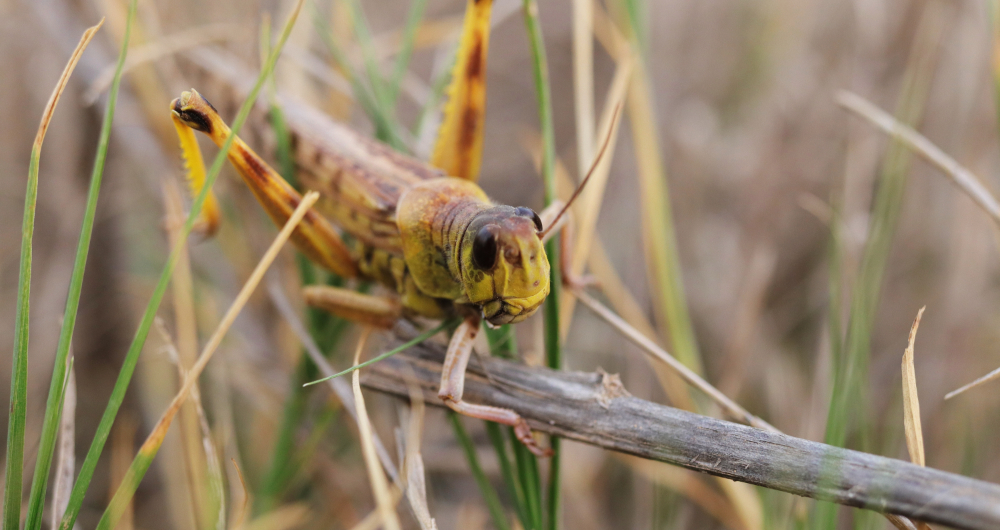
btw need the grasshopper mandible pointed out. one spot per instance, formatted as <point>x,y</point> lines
<point>436,241</point>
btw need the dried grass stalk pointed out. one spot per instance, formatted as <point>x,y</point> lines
<point>380,486</point>
<point>911,404</point>
<point>155,439</point>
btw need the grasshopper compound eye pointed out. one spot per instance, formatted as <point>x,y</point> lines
<point>528,212</point>
<point>484,248</point>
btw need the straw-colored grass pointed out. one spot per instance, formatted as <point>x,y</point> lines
<point>380,487</point>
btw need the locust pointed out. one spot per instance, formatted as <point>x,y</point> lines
<point>425,231</point>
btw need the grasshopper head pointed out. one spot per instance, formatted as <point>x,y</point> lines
<point>504,267</point>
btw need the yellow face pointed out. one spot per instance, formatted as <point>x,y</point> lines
<point>504,267</point>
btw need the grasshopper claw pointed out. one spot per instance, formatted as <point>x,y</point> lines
<point>523,433</point>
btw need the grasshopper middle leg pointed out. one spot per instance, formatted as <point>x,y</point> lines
<point>378,311</point>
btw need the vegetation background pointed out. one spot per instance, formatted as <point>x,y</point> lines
<point>771,186</point>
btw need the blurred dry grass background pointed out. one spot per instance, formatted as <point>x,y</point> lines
<point>758,156</point>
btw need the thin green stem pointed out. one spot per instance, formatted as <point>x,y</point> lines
<point>322,325</point>
<point>417,8</point>
<point>514,488</point>
<point>420,338</point>
<point>19,372</point>
<point>530,479</point>
<point>53,406</point>
<point>438,87</point>
<point>850,376</point>
<point>503,343</point>
<point>326,330</point>
<point>489,494</point>
<point>283,148</point>
<point>553,352</point>
<point>276,478</point>
<point>385,126</point>
<point>367,46</point>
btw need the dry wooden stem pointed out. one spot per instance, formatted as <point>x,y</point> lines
<point>594,408</point>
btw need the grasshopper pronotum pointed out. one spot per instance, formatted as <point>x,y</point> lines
<point>437,241</point>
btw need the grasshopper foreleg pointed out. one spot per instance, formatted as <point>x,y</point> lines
<point>453,385</point>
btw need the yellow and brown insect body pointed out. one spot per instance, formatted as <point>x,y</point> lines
<point>437,241</point>
<point>422,236</point>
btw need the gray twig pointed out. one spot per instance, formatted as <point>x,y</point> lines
<point>594,408</point>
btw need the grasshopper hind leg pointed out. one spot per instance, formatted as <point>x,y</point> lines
<point>459,146</point>
<point>453,386</point>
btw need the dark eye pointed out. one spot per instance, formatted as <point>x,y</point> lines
<point>528,212</point>
<point>484,248</point>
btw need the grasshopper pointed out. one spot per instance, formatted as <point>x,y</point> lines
<point>427,232</point>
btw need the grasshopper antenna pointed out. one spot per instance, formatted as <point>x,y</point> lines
<point>590,173</point>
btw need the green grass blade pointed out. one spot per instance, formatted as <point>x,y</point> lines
<point>553,352</point>
<point>849,401</point>
<point>326,331</point>
<point>523,479</point>
<point>294,410</point>
<point>375,78</point>
<point>283,147</point>
<point>419,338</point>
<point>503,343</point>
<point>489,494</point>
<point>638,19</point>
<point>130,482</point>
<point>530,479</point>
<point>514,488</point>
<point>53,407</point>
<point>385,126</point>
<point>417,8</point>
<point>151,446</point>
<point>851,377</point>
<point>438,87</point>
<point>132,356</point>
<point>19,371</point>
<point>660,235</point>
